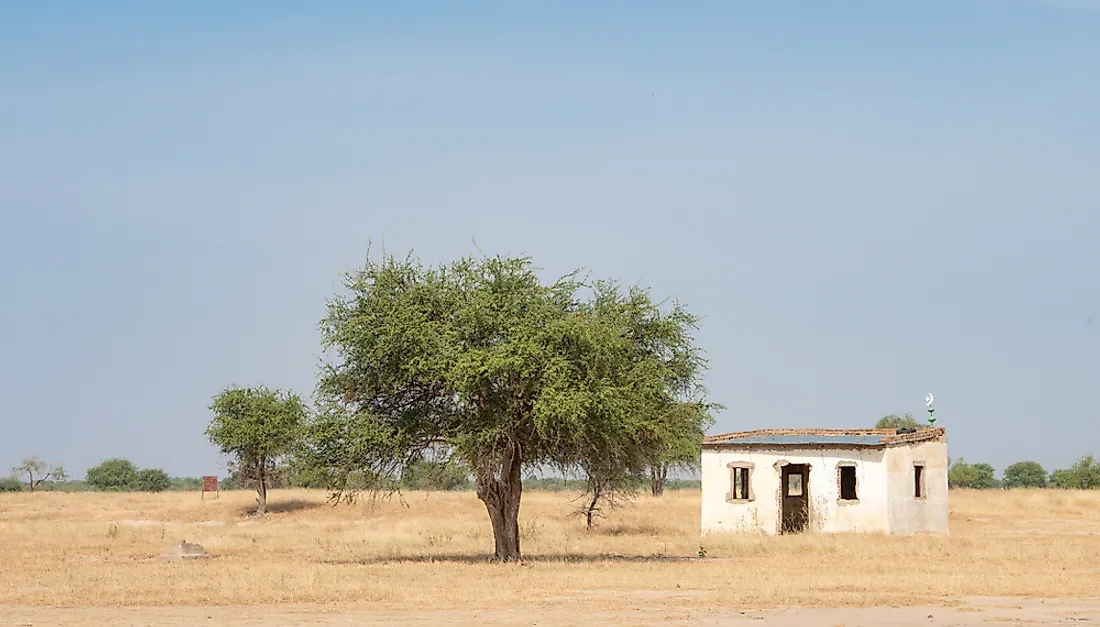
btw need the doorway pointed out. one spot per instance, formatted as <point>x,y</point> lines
<point>796,497</point>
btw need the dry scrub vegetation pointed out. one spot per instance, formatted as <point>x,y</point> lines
<point>431,551</point>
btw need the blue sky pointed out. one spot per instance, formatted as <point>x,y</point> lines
<point>866,201</point>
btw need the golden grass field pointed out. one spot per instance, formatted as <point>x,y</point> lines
<point>431,551</point>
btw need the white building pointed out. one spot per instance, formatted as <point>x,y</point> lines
<point>828,480</point>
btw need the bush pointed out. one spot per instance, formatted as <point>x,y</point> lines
<point>113,475</point>
<point>1084,475</point>
<point>11,484</point>
<point>152,480</point>
<point>894,421</point>
<point>1025,475</point>
<point>183,484</point>
<point>980,476</point>
<point>66,486</point>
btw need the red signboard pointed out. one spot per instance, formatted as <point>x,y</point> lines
<point>209,484</point>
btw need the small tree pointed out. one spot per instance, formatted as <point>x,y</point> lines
<point>38,471</point>
<point>904,421</point>
<point>679,442</point>
<point>113,475</point>
<point>610,483</point>
<point>257,427</point>
<point>152,480</point>
<point>1027,474</point>
<point>980,476</point>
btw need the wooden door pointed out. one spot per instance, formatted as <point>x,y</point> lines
<point>796,498</point>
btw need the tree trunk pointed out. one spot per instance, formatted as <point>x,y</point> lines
<point>590,512</point>
<point>501,495</point>
<point>261,492</point>
<point>658,474</point>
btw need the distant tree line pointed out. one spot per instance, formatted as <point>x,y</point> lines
<point>1083,475</point>
<point>430,475</point>
<point>112,475</point>
<point>121,475</point>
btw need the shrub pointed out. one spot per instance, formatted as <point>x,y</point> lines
<point>11,484</point>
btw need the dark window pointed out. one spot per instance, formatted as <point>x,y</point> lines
<point>918,482</point>
<point>847,483</point>
<point>741,484</point>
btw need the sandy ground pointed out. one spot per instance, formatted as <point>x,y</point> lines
<point>966,612</point>
<point>1013,558</point>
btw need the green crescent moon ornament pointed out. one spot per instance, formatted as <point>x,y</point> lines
<point>931,410</point>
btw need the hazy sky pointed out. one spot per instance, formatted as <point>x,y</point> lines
<point>867,201</point>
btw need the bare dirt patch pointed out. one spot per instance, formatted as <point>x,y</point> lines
<point>972,612</point>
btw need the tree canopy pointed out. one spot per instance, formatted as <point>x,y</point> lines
<point>1083,475</point>
<point>38,471</point>
<point>152,480</point>
<point>1027,474</point>
<point>895,421</point>
<point>258,427</point>
<point>679,445</point>
<point>113,475</point>
<point>980,476</point>
<point>483,361</point>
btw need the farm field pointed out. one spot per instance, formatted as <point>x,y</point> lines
<point>91,559</point>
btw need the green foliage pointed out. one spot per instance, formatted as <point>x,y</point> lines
<point>1026,474</point>
<point>113,475</point>
<point>655,418</point>
<point>684,484</point>
<point>38,472</point>
<point>309,478</point>
<point>679,442</point>
<point>904,421</point>
<point>73,485</point>
<point>1083,475</point>
<point>553,484</point>
<point>559,484</point>
<point>980,476</point>
<point>175,484</point>
<point>451,474</point>
<point>257,427</point>
<point>152,480</point>
<point>255,422</point>
<point>502,371</point>
<point>184,484</point>
<point>11,484</point>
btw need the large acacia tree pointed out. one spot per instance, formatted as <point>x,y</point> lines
<point>483,361</point>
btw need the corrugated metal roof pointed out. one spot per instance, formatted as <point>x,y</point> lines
<point>804,439</point>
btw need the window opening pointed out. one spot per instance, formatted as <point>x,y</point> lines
<point>794,484</point>
<point>847,476</point>
<point>741,484</point>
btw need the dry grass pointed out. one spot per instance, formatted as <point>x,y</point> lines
<point>100,549</point>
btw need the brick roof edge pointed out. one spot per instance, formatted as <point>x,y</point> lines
<point>891,436</point>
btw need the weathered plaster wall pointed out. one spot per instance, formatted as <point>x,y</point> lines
<point>827,512</point>
<point>908,514</point>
